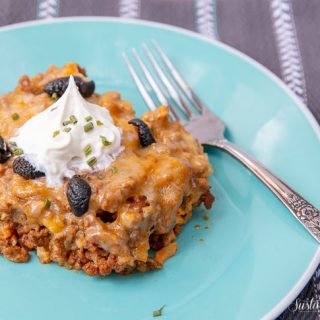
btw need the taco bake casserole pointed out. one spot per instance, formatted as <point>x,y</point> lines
<point>123,216</point>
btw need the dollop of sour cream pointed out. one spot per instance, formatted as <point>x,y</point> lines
<point>70,136</point>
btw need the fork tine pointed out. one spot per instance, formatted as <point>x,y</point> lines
<point>143,91</point>
<point>145,95</point>
<point>171,89</point>
<point>178,78</point>
<point>163,100</point>
<point>160,95</point>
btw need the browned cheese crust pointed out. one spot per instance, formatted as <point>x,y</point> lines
<point>137,205</point>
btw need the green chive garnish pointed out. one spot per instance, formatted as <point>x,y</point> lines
<point>15,117</point>
<point>54,109</point>
<point>88,118</point>
<point>104,141</point>
<point>12,143</point>
<point>158,313</point>
<point>65,123</point>
<point>88,127</point>
<point>67,129</point>
<point>55,133</point>
<point>47,204</point>
<point>54,96</point>
<point>73,119</point>
<point>114,169</point>
<point>91,162</point>
<point>18,152</point>
<point>99,123</point>
<point>87,150</point>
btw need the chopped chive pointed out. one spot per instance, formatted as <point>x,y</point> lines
<point>114,169</point>
<point>65,123</point>
<point>54,96</point>
<point>88,118</point>
<point>15,117</point>
<point>104,141</point>
<point>55,108</point>
<point>47,204</point>
<point>99,123</point>
<point>67,129</point>
<point>18,152</point>
<point>12,143</point>
<point>73,119</point>
<point>88,127</point>
<point>91,162</point>
<point>55,133</point>
<point>158,313</point>
<point>87,150</point>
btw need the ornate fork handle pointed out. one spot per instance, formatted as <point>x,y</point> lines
<point>302,210</point>
<point>200,122</point>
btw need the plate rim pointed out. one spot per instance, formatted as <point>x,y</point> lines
<point>315,261</point>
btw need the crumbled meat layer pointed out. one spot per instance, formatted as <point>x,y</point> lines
<point>137,205</point>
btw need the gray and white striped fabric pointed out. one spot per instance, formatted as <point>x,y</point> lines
<point>288,47</point>
<point>283,35</point>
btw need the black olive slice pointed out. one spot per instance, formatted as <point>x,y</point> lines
<point>25,169</point>
<point>5,153</point>
<point>78,194</point>
<point>145,135</point>
<point>59,86</point>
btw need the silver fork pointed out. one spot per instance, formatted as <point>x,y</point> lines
<point>204,125</point>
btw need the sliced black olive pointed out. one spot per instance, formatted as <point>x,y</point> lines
<point>25,169</point>
<point>145,135</point>
<point>86,88</point>
<point>78,194</point>
<point>3,145</point>
<point>59,86</point>
<point>5,153</point>
<point>4,157</point>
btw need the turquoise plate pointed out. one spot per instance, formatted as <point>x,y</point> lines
<point>255,257</point>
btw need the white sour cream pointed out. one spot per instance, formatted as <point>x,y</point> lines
<point>58,149</point>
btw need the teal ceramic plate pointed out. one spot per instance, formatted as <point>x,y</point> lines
<point>255,257</point>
